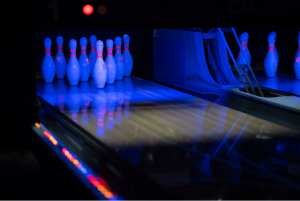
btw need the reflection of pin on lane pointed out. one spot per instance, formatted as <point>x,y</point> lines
<point>111,97</point>
<point>128,93</point>
<point>48,65</point>
<point>120,100</point>
<point>85,100</point>
<point>73,101</point>
<point>100,105</point>
<point>61,92</point>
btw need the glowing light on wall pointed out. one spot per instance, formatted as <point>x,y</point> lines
<point>88,9</point>
<point>101,9</point>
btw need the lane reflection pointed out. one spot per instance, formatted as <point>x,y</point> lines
<point>181,141</point>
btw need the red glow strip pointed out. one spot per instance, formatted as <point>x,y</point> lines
<point>110,113</point>
<point>118,51</point>
<point>109,54</point>
<point>242,43</point>
<point>299,50</point>
<point>93,45</point>
<point>47,48</point>
<point>48,53</point>
<point>99,124</point>
<point>61,107</point>
<point>297,59</point>
<point>59,46</point>
<point>83,47</point>
<point>99,52</point>
<point>126,45</point>
<point>272,45</point>
<point>118,46</point>
<point>100,119</point>
<point>59,50</point>
<point>83,52</point>
<point>126,48</point>
<point>270,49</point>
<point>72,50</point>
<point>47,134</point>
<point>99,57</point>
<point>84,110</point>
<point>93,50</point>
<point>109,49</point>
<point>243,48</point>
<point>248,52</point>
<point>73,55</point>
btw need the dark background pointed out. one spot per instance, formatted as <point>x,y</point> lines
<point>22,19</point>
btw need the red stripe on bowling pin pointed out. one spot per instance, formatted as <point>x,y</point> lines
<point>126,46</point>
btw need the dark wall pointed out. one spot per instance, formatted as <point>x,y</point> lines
<point>23,18</point>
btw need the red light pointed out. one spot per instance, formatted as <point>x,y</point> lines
<point>102,9</point>
<point>88,9</point>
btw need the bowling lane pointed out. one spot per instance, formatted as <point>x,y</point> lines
<point>193,147</point>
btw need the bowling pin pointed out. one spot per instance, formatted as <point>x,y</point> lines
<point>120,100</point>
<point>127,56</point>
<point>111,97</point>
<point>73,67</point>
<point>84,89</point>
<point>84,61</point>
<point>297,59</point>
<point>60,60</point>
<point>110,62</point>
<point>93,55</point>
<point>271,62</point>
<point>119,59</point>
<point>240,58</point>
<point>73,102</point>
<point>246,47</point>
<point>275,49</point>
<point>100,69</point>
<point>48,65</point>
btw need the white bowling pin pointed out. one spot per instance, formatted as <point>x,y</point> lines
<point>100,69</point>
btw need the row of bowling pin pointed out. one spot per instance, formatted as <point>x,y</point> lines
<point>272,57</point>
<point>114,68</point>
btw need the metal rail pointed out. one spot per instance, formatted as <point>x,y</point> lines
<point>233,59</point>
